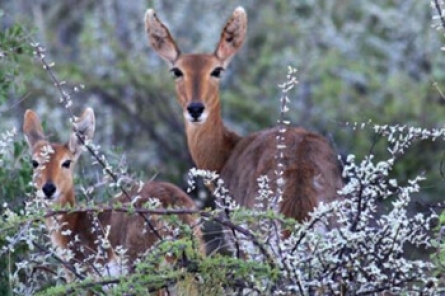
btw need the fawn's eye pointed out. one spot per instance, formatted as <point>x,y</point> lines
<point>66,164</point>
<point>34,163</point>
<point>217,72</point>
<point>176,72</point>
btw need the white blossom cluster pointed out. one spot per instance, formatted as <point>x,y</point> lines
<point>45,262</point>
<point>6,140</point>
<point>35,237</point>
<point>365,252</point>
<point>438,15</point>
<point>362,253</point>
<point>288,85</point>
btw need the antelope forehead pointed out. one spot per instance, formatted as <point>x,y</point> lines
<point>198,63</point>
<point>51,153</point>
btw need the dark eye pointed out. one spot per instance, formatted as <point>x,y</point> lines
<point>34,163</point>
<point>217,72</point>
<point>66,164</point>
<point>176,72</point>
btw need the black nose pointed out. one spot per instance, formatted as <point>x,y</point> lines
<point>49,189</point>
<point>195,110</point>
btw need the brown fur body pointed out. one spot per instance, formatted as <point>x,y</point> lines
<point>308,160</point>
<point>126,229</point>
<point>311,169</point>
<point>80,231</point>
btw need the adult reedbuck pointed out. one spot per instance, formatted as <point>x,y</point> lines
<point>311,169</point>
<point>80,233</point>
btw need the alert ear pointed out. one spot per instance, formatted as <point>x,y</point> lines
<point>32,128</point>
<point>83,130</point>
<point>232,36</point>
<point>159,38</point>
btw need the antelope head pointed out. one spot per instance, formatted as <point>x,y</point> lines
<point>53,163</point>
<point>197,75</point>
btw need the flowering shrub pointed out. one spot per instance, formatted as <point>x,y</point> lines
<point>362,253</point>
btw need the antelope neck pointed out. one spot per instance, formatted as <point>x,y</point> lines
<point>210,143</point>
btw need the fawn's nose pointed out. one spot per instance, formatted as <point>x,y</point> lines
<point>195,110</point>
<point>49,189</point>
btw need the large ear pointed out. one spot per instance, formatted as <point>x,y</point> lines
<point>232,36</point>
<point>32,128</point>
<point>83,130</point>
<point>160,38</point>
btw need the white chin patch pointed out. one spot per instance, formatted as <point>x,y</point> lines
<point>43,197</point>
<point>55,195</point>
<point>199,120</point>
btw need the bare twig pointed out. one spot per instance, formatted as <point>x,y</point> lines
<point>439,12</point>
<point>205,214</point>
<point>67,265</point>
<point>65,98</point>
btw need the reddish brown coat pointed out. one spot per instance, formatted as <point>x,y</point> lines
<point>311,169</point>
<point>127,230</point>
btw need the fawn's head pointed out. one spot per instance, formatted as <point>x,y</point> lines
<point>197,75</point>
<point>53,163</point>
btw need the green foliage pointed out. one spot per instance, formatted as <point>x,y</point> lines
<point>358,60</point>
<point>14,165</point>
<point>14,44</point>
<point>14,173</point>
<point>438,257</point>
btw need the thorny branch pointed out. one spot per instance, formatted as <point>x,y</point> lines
<point>65,98</point>
<point>205,214</point>
<point>342,262</point>
<point>67,265</point>
<point>439,12</point>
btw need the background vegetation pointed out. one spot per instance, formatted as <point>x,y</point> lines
<point>357,61</point>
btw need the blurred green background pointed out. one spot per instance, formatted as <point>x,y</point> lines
<point>358,60</point>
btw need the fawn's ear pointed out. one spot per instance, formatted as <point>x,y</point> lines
<point>232,36</point>
<point>160,38</point>
<point>83,130</point>
<point>32,128</point>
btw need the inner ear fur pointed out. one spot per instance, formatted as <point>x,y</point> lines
<point>83,130</point>
<point>232,35</point>
<point>32,128</point>
<point>159,37</point>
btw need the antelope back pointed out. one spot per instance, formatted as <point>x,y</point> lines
<point>310,170</point>
<point>197,75</point>
<point>54,163</point>
<point>138,236</point>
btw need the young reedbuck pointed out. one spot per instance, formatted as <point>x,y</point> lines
<point>311,169</point>
<point>81,232</point>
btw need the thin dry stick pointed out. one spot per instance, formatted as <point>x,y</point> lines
<point>39,52</point>
<point>204,214</point>
<point>439,11</point>
<point>67,265</point>
<point>439,90</point>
